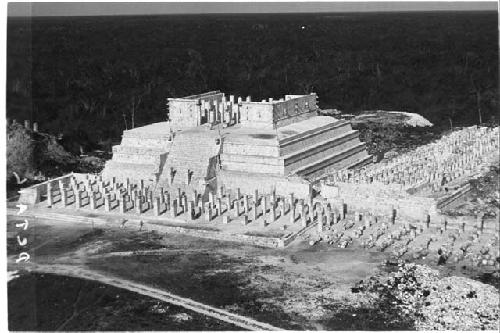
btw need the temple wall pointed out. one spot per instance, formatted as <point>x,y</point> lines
<point>294,109</point>
<point>184,113</point>
<point>188,111</point>
<point>256,114</point>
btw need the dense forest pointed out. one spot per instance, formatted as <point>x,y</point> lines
<point>90,78</point>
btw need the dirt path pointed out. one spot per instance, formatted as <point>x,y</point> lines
<point>78,272</point>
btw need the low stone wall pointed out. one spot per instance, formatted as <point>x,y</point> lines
<point>33,194</point>
<point>379,199</point>
<point>248,183</point>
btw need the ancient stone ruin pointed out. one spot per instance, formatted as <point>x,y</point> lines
<point>211,140</point>
<point>269,172</point>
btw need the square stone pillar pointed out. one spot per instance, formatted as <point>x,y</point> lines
<point>50,198</point>
<point>228,204</point>
<point>211,198</point>
<point>138,205</point>
<point>273,213</point>
<point>225,219</point>
<point>195,198</point>
<point>173,210</point>
<point>156,206</point>
<point>343,209</point>
<point>236,210</point>
<point>245,220</point>
<point>208,213</point>
<point>122,205</point>
<point>167,201</point>
<point>184,203</point>
<point>190,210</point>
<point>245,203</point>
<point>254,210</point>
<point>107,204</point>
<point>320,223</point>
<point>292,214</point>
<point>303,217</point>
<point>92,200</point>
<point>281,206</point>
<point>219,207</point>
<point>78,202</point>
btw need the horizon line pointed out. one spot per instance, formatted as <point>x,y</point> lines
<point>81,9</point>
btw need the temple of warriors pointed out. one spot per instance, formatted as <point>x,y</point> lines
<point>211,141</point>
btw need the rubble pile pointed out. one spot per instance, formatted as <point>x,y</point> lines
<point>438,303</point>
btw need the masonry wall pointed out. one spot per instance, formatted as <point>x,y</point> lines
<point>256,114</point>
<point>184,113</point>
<point>294,109</point>
<point>188,111</point>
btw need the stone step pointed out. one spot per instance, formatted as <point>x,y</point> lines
<point>312,133</point>
<point>329,161</point>
<point>318,147</point>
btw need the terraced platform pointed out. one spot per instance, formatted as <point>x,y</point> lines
<point>141,154</point>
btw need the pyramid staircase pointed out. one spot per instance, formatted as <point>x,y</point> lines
<point>192,160</point>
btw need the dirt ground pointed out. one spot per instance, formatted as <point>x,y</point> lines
<point>299,287</point>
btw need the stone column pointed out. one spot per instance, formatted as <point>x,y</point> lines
<point>292,214</point>
<point>238,193</point>
<point>273,213</point>
<point>245,203</point>
<point>107,205</point>
<point>320,223</point>
<point>64,197</point>
<point>228,204</point>
<point>343,209</point>
<point>122,205</point>
<point>167,201</point>
<point>138,205</point>
<point>245,220</point>
<point>78,202</point>
<point>254,210</point>
<point>208,213</point>
<point>195,198</point>
<point>281,207</point>
<point>236,210</point>
<point>184,203</point>
<point>92,200</point>
<point>328,217</point>
<point>156,206</point>
<point>303,217</point>
<point>190,210</point>
<point>393,215</point>
<point>219,207</point>
<point>211,198</point>
<point>173,210</point>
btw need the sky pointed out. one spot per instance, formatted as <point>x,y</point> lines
<point>145,8</point>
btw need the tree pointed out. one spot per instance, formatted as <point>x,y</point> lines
<point>20,150</point>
